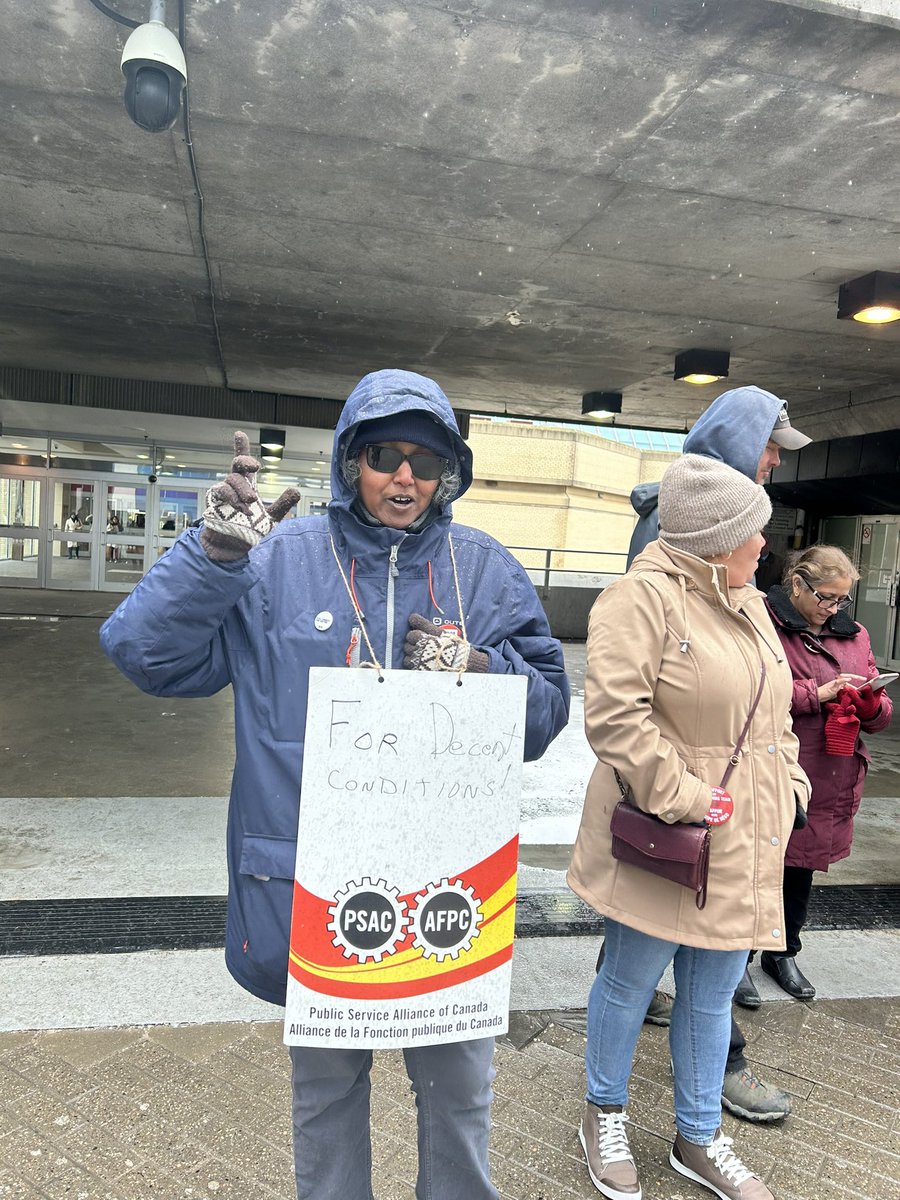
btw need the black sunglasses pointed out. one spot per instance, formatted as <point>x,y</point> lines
<point>387,460</point>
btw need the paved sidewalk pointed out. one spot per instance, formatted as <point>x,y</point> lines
<point>170,1111</point>
<point>203,1111</point>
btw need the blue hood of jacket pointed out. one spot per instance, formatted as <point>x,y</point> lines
<point>735,428</point>
<point>381,394</point>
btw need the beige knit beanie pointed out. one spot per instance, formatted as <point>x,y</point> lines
<point>707,508</point>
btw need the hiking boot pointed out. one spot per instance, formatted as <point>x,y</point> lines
<point>660,1010</point>
<point>605,1144</point>
<point>784,970</point>
<point>717,1168</point>
<point>748,1096</point>
<point>745,994</point>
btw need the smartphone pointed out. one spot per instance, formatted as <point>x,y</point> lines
<point>880,680</point>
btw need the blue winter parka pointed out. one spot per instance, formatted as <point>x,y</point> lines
<point>192,627</point>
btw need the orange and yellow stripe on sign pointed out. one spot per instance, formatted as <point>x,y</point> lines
<point>319,963</point>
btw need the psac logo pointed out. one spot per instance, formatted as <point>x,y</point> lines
<point>369,919</point>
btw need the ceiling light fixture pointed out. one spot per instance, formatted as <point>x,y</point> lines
<point>701,366</point>
<point>271,444</point>
<point>873,299</point>
<point>601,404</point>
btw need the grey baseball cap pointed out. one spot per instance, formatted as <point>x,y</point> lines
<point>785,435</point>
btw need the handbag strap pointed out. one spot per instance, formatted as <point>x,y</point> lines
<point>735,757</point>
<point>736,752</point>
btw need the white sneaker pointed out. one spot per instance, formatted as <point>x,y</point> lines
<point>718,1168</point>
<point>605,1144</point>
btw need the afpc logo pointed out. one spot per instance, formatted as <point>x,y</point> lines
<point>445,919</point>
<point>368,920</point>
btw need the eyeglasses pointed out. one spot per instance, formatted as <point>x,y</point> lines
<point>838,602</point>
<point>387,460</point>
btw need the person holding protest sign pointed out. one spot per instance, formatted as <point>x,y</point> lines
<point>383,579</point>
<point>689,714</point>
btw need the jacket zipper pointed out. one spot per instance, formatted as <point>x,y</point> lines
<point>393,572</point>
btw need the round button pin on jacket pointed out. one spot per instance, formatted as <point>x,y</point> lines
<point>721,808</point>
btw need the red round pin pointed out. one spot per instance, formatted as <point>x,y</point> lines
<point>721,807</point>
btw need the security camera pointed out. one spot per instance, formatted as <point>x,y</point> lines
<point>155,74</point>
<point>152,478</point>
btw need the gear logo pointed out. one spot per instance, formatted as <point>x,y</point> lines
<point>446,919</point>
<point>368,920</point>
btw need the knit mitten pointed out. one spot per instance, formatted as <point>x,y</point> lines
<point>427,649</point>
<point>235,519</point>
<point>841,726</point>
<point>866,702</point>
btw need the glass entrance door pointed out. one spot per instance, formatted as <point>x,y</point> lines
<point>72,537</point>
<point>879,584</point>
<point>98,534</point>
<point>21,561</point>
<point>177,506</point>
<point>91,531</point>
<point>123,535</point>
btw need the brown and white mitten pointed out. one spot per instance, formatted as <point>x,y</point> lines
<point>235,519</point>
<point>426,649</point>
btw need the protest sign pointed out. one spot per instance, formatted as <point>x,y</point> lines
<point>407,850</point>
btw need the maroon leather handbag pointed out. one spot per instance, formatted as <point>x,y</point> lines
<point>678,852</point>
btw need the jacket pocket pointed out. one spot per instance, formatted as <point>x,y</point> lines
<point>266,888</point>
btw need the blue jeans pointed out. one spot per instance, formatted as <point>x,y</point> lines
<point>332,1143</point>
<point>698,1036</point>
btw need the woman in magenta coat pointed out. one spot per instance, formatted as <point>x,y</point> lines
<point>831,659</point>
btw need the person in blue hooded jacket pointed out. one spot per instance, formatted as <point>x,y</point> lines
<point>249,602</point>
<point>745,428</point>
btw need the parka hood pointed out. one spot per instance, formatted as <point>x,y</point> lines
<point>697,572</point>
<point>693,574</point>
<point>735,428</point>
<point>380,394</point>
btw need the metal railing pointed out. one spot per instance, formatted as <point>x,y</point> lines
<point>545,565</point>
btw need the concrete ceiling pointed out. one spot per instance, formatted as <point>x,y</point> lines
<point>526,199</point>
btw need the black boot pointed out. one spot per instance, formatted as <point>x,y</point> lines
<point>784,970</point>
<point>745,994</point>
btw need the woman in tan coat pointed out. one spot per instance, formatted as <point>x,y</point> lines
<point>676,651</point>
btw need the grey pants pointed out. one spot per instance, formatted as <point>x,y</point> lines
<point>332,1143</point>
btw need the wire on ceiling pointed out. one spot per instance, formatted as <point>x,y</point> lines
<point>201,208</point>
<point>111,12</point>
<point>195,175</point>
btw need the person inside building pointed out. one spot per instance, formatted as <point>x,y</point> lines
<point>73,525</point>
<point>681,658</point>
<point>248,602</point>
<point>831,660</point>
<point>746,428</point>
<point>113,525</point>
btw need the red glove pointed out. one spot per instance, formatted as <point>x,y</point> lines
<point>866,702</point>
<point>841,726</point>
